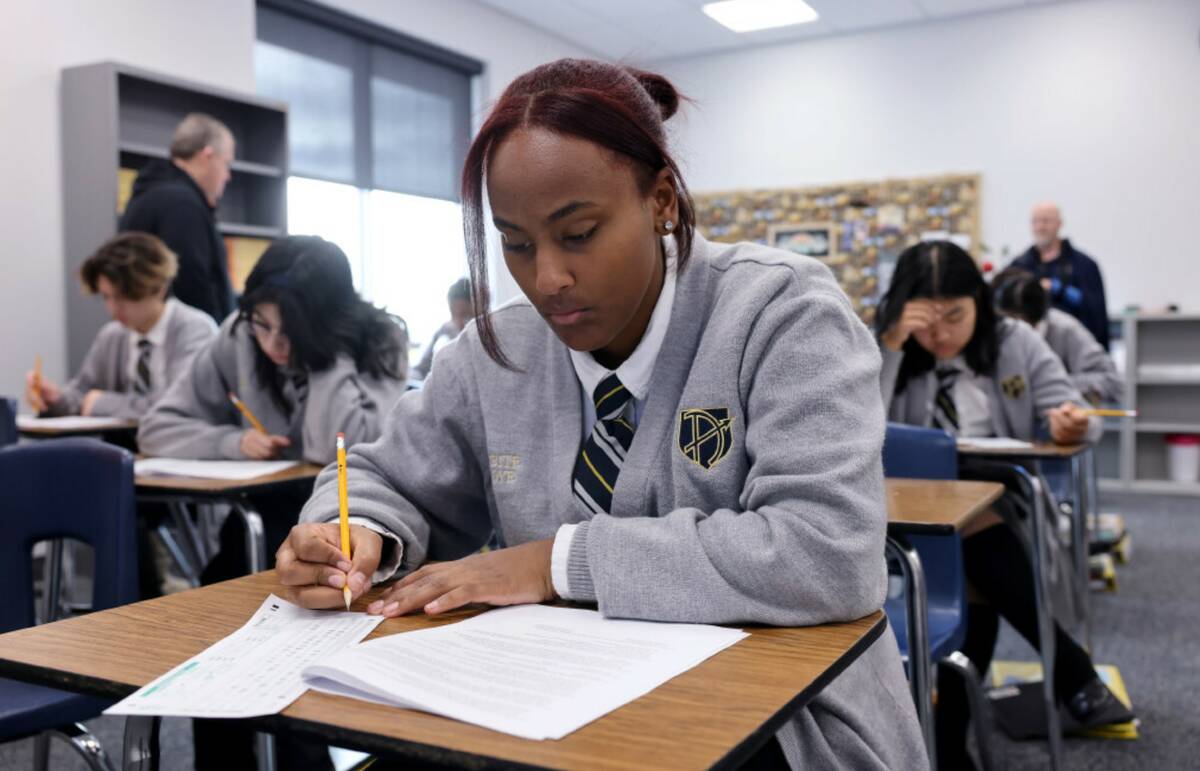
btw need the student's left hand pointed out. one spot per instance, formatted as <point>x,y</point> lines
<point>1068,423</point>
<point>89,401</point>
<point>512,576</point>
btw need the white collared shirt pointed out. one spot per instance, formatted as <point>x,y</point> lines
<point>970,399</point>
<point>634,373</point>
<point>158,357</point>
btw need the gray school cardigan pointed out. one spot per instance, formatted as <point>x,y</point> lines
<point>1087,363</point>
<point>1029,379</point>
<point>195,419</point>
<point>106,366</point>
<point>777,517</point>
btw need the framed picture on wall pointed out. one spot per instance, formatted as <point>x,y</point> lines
<point>812,239</point>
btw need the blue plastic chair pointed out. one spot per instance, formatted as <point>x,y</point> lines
<point>8,421</point>
<point>67,488</point>
<point>925,453</point>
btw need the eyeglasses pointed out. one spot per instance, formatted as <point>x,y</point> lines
<point>265,331</point>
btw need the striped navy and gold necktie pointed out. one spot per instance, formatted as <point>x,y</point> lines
<point>945,412</point>
<point>604,450</point>
<point>141,381</point>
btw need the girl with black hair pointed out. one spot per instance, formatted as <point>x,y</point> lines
<point>304,352</point>
<point>950,363</point>
<point>310,359</point>
<point>1019,294</point>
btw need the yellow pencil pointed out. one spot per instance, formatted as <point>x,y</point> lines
<point>39,405</point>
<point>258,426</point>
<point>1105,413</point>
<point>343,508</point>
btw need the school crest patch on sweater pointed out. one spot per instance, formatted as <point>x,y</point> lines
<point>705,435</point>
<point>1013,387</point>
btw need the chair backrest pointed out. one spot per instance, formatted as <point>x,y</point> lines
<point>910,452</point>
<point>929,453</point>
<point>8,421</point>
<point>66,488</point>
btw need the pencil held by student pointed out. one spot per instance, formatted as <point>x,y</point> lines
<point>343,507</point>
<point>258,444</point>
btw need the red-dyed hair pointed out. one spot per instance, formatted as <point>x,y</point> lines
<point>618,108</point>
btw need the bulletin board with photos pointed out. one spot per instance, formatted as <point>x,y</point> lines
<point>857,228</point>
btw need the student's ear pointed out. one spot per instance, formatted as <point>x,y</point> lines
<point>663,198</point>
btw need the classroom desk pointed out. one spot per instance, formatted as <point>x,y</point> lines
<point>31,428</point>
<point>713,716</point>
<point>1081,459</point>
<point>927,507</point>
<point>192,553</point>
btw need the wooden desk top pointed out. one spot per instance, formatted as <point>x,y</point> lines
<point>1039,450</point>
<point>937,506</point>
<point>715,714</point>
<point>31,430</point>
<point>150,485</point>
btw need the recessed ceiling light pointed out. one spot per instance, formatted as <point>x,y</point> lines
<point>751,15</point>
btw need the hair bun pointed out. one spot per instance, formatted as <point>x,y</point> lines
<point>659,89</point>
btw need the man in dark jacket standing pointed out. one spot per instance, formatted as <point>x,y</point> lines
<point>1070,276</point>
<point>176,200</point>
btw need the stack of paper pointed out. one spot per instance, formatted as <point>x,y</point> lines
<point>209,469</point>
<point>532,671</point>
<point>72,423</point>
<point>254,671</point>
<point>993,443</point>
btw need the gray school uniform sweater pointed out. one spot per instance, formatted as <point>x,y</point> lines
<point>1029,380</point>
<point>106,366</point>
<point>195,419</point>
<point>780,520</point>
<point>1088,364</point>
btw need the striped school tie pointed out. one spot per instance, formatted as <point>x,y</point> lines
<point>299,390</point>
<point>141,381</point>
<point>945,413</point>
<point>604,450</point>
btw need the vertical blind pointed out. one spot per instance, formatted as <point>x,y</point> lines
<point>369,106</point>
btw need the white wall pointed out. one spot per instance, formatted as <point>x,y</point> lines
<point>210,41</point>
<point>1093,104</point>
<point>201,41</point>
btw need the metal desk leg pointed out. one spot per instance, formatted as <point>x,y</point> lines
<point>52,580</point>
<point>1085,506</point>
<point>919,656</point>
<point>1044,614</point>
<point>141,743</point>
<point>264,746</point>
<point>191,572</point>
<point>256,542</point>
<point>189,539</point>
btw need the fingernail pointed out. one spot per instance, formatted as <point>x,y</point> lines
<point>375,607</point>
<point>432,607</point>
<point>391,608</point>
<point>359,580</point>
<point>337,580</point>
<point>344,566</point>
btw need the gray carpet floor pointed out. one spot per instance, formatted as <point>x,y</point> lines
<point>1149,628</point>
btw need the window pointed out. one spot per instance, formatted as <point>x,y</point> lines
<point>378,126</point>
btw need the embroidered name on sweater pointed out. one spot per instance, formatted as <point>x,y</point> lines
<point>504,468</point>
<point>705,436</point>
<point>1013,386</point>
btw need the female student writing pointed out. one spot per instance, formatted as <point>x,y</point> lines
<point>151,339</point>
<point>673,429</point>
<point>309,359</point>
<point>1020,295</point>
<point>949,362</point>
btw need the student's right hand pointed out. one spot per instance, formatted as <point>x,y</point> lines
<point>311,564</point>
<point>41,395</point>
<point>256,445</point>
<point>916,316</point>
